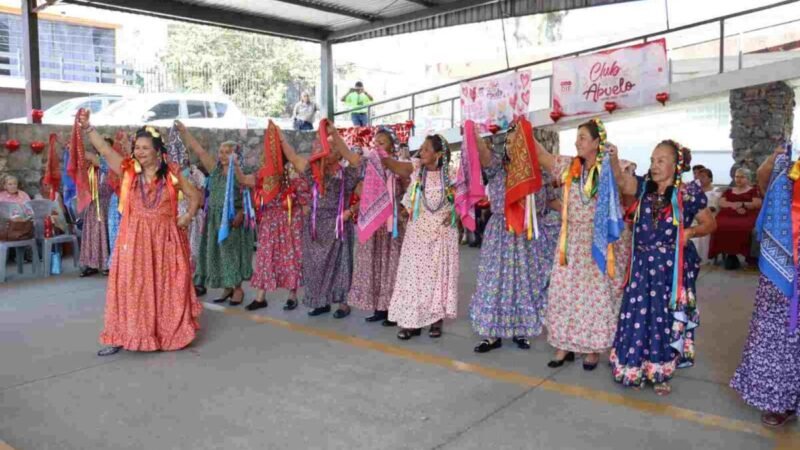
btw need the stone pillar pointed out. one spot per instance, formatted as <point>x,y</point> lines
<point>760,117</point>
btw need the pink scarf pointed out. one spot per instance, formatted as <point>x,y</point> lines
<point>469,183</point>
<point>377,196</point>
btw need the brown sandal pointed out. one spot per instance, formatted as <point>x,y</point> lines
<point>436,330</point>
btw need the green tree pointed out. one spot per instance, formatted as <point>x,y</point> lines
<point>257,72</point>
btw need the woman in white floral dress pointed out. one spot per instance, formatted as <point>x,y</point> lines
<point>583,302</point>
<point>425,291</point>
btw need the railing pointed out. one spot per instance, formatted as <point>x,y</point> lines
<point>64,69</point>
<point>692,66</point>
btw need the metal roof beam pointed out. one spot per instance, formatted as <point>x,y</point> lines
<point>205,15</point>
<point>435,10</point>
<point>328,8</point>
<point>425,3</point>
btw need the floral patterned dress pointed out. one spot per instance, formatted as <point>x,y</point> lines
<point>426,288</point>
<point>279,258</point>
<point>583,303</point>
<point>327,259</point>
<point>376,264</point>
<point>150,301</point>
<point>768,377</point>
<point>652,339</point>
<point>94,235</point>
<point>227,264</point>
<point>514,272</point>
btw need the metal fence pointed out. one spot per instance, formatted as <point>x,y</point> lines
<point>708,38</point>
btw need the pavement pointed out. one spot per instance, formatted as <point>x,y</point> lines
<point>282,380</point>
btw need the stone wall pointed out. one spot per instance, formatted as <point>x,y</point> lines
<point>29,167</point>
<point>760,117</point>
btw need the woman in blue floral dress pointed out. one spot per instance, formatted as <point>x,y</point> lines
<point>655,333</point>
<point>514,271</point>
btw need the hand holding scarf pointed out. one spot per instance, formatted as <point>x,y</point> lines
<point>469,182</point>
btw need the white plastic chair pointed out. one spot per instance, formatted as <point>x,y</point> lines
<point>7,211</point>
<point>41,210</point>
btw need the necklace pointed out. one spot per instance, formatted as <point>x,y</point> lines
<point>442,200</point>
<point>658,203</point>
<point>145,200</point>
<point>585,200</point>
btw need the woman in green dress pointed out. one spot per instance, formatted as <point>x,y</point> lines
<point>226,264</point>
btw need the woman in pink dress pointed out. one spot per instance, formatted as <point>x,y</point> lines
<point>426,289</point>
<point>279,258</point>
<point>11,192</point>
<point>150,300</point>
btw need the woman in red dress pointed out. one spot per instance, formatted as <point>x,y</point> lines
<point>150,300</point>
<point>738,211</point>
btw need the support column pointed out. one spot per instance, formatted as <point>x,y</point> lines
<point>30,46</point>
<point>760,117</point>
<point>327,100</point>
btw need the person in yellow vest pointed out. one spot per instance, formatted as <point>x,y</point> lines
<point>357,99</point>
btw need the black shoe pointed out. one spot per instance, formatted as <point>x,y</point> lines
<point>108,351</point>
<point>486,345</point>
<point>378,316</point>
<point>200,291</point>
<point>319,311</point>
<point>406,334</point>
<point>522,343</point>
<point>255,304</point>
<point>389,323</point>
<point>224,298</point>
<point>590,366</point>
<point>341,313</point>
<point>87,272</point>
<point>558,363</point>
<point>290,305</point>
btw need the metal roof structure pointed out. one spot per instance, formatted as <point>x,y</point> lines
<point>338,20</point>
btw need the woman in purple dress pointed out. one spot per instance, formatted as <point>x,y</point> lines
<point>514,271</point>
<point>768,377</point>
<point>658,314</point>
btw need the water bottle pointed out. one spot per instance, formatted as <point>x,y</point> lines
<point>55,262</point>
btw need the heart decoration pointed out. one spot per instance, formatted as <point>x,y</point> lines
<point>37,146</point>
<point>473,93</point>
<point>12,145</point>
<point>556,115</point>
<point>36,115</point>
<point>662,97</point>
<point>525,78</point>
<point>610,106</point>
<point>526,97</point>
<point>513,101</point>
<point>494,128</point>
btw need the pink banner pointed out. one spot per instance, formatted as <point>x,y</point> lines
<point>496,101</point>
<point>624,78</point>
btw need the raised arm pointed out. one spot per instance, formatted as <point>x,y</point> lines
<point>208,161</point>
<point>546,159</point>
<point>338,143</point>
<point>113,158</point>
<point>400,168</point>
<point>764,171</point>
<point>241,178</point>
<point>626,182</point>
<point>484,152</point>
<point>344,98</point>
<point>706,224</point>
<point>300,163</point>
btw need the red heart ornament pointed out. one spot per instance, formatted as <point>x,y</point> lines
<point>662,97</point>
<point>526,98</point>
<point>36,115</point>
<point>610,106</point>
<point>37,146</point>
<point>473,93</point>
<point>555,115</point>
<point>12,145</point>
<point>493,128</point>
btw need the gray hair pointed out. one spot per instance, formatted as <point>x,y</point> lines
<point>10,177</point>
<point>745,171</point>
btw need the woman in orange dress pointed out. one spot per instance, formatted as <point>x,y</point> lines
<point>150,300</point>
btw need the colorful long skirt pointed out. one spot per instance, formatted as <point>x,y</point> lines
<point>114,218</point>
<point>226,264</point>
<point>376,270</point>
<point>94,235</point>
<point>327,261</point>
<point>513,276</point>
<point>768,377</point>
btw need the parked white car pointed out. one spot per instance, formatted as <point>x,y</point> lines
<point>161,110</point>
<point>63,113</point>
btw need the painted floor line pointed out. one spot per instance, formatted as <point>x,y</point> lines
<point>782,437</point>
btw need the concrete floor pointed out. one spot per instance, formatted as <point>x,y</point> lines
<point>281,380</point>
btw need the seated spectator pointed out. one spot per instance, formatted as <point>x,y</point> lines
<point>738,211</point>
<point>12,193</point>
<point>706,179</point>
<point>696,169</point>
